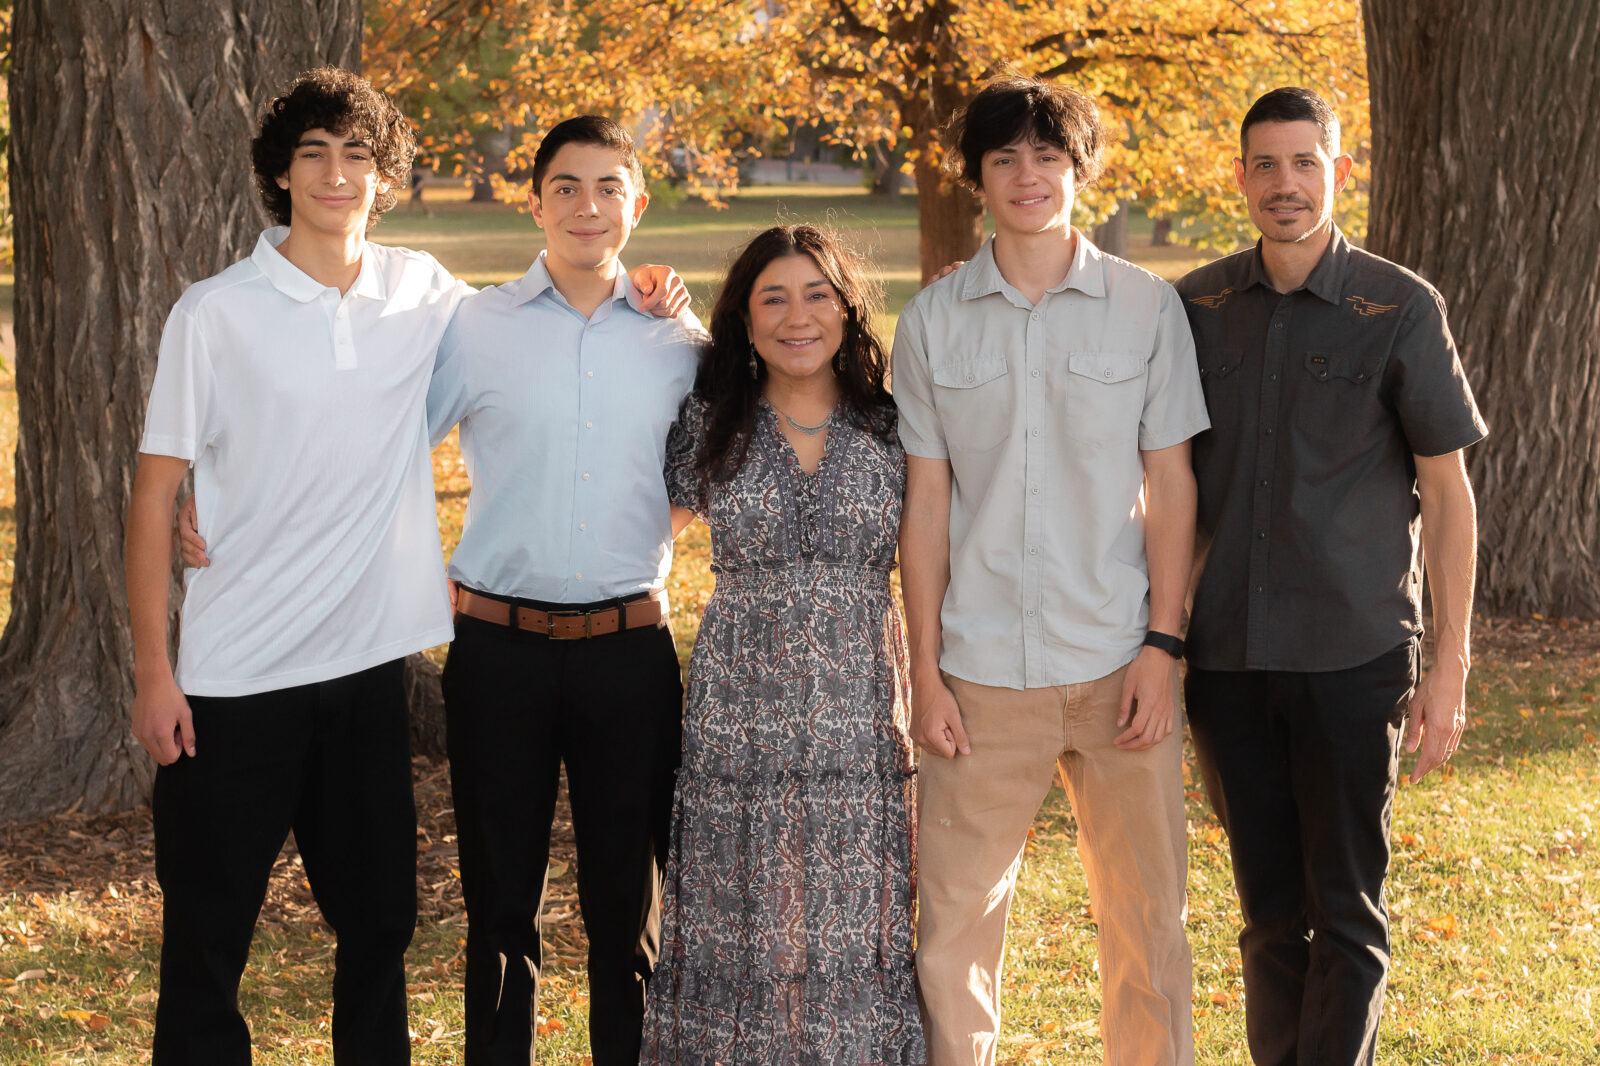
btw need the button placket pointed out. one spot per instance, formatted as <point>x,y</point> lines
<point>1259,611</point>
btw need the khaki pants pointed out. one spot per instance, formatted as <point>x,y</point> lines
<point>974,812</point>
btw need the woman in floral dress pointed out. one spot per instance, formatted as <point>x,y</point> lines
<point>786,933</point>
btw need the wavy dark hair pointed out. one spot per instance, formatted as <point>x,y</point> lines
<point>724,382</point>
<point>338,101</point>
<point>1009,108</point>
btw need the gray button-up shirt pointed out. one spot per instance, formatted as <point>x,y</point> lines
<point>1042,411</point>
<point>1319,400</point>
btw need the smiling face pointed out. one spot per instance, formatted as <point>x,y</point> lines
<point>795,318</point>
<point>332,182</point>
<point>1029,186</point>
<point>1289,179</point>
<point>587,205</point>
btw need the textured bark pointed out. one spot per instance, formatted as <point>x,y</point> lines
<point>1111,236</point>
<point>949,218</point>
<point>130,167</point>
<point>425,696</point>
<point>1485,151</point>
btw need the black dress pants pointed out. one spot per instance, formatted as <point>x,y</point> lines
<point>518,705</point>
<point>332,761</point>
<point>1301,770</point>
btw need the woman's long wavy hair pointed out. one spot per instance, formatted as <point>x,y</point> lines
<point>724,382</point>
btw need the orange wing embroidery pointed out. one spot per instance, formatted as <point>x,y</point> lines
<point>1212,302</point>
<point>1367,309</point>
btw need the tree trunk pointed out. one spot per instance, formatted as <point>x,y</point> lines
<point>1160,232</point>
<point>130,179</point>
<point>886,176</point>
<point>489,150</point>
<point>1111,236</point>
<point>1485,151</point>
<point>949,218</point>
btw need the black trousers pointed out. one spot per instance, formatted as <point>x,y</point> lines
<point>332,761</point>
<point>1301,770</point>
<point>517,706</point>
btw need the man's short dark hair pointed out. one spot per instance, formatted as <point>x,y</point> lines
<point>1011,108</point>
<point>587,129</point>
<point>338,101</point>
<point>1291,103</point>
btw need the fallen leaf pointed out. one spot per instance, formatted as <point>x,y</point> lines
<point>1444,926</point>
<point>32,975</point>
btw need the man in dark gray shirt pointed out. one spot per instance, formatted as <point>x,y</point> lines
<point>1339,414</point>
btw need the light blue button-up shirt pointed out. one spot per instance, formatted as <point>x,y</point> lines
<point>563,429</point>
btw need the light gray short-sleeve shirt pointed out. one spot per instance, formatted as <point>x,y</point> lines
<point>1042,411</point>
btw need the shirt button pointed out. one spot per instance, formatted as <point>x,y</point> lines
<point>582,526</point>
<point>1031,612</point>
<point>1269,433</point>
<point>586,477</point>
<point>1035,431</point>
<point>1033,373</point>
<point>590,374</point>
<point>1263,482</point>
<point>1277,325</point>
<point>1259,588</point>
<point>1272,377</point>
<point>1259,536</point>
<point>1033,550</point>
<point>1036,316</point>
<point>1034,490</point>
<point>588,425</point>
<point>580,577</point>
<point>1108,373</point>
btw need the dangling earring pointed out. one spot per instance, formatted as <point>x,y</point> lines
<point>755,367</point>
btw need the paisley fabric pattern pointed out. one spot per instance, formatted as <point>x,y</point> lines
<point>786,922</point>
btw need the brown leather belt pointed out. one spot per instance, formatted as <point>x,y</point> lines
<point>649,610</point>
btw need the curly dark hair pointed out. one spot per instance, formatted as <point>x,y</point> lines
<point>724,382</point>
<point>338,101</point>
<point>1009,108</point>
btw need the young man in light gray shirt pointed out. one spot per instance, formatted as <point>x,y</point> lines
<point>1047,394</point>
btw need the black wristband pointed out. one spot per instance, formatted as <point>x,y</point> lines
<point>1166,642</point>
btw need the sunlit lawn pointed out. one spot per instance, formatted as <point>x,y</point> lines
<point>1495,889</point>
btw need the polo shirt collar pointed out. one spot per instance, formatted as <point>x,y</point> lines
<point>297,284</point>
<point>1326,280</point>
<point>537,281</point>
<point>1086,274</point>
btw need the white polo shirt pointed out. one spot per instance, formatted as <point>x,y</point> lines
<point>303,414</point>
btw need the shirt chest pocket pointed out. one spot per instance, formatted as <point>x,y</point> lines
<point>1341,395</point>
<point>1105,396</point>
<point>974,401</point>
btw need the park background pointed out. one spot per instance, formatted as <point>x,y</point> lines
<point>1476,158</point>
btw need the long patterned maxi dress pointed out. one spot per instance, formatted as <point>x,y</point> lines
<point>786,923</point>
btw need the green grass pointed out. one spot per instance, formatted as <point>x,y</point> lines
<point>1495,890</point>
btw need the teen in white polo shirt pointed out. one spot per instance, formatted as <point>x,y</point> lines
<point>294,383</point>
